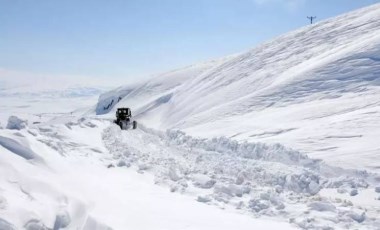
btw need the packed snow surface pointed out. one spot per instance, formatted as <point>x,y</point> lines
<point>283,136</point>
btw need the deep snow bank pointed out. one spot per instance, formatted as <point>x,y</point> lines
<point>261,179</point>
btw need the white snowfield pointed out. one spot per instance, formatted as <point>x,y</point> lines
<point>89,174</point>
<point>60,177</point>
<point>315,90</point>
<point>281,137</point>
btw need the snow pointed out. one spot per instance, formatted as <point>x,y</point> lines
<point>74,189</point>
<point>17,148</point>
<point>16,123</point>
<point>163,172</point>
<point>315,90</point>
<point>40,98</point>
<point>283,136</point>
<point>322,207</point>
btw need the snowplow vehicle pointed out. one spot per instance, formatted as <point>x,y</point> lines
<point>124,119</point>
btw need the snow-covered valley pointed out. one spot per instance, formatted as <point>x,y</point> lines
<point>283,136</point>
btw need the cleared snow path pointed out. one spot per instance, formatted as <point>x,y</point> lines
<point>96,176</point>
<point>259,179</point>
<point>74,188</point>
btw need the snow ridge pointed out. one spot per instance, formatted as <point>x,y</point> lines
<point>253,177</point>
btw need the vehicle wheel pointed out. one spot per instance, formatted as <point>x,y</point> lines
<point>134,124</point>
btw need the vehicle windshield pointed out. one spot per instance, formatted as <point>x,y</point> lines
<point>123,111</point>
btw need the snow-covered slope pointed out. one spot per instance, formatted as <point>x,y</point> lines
<point>316,89</point>
<point>153,93</point>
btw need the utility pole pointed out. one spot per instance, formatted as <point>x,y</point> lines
<point>312,19</point>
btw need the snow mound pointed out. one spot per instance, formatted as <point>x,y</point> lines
<point>259,178</point>
<point>18,149</point>
<point>256,151</point>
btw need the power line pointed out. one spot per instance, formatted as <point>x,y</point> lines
<point>311,18</point>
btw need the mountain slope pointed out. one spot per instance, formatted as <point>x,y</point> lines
<point>315,89</point>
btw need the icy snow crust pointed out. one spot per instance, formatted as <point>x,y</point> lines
<point>315,89</point>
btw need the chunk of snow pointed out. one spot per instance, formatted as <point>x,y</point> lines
<point>143,167</point>
<point>377,189</point>
<point>258,205</point>
<point>341,190</point>
<point>278,189</point>
<point>358,217</point>
<point>321,206</point>
<point>203,199</point>
<point>354,192</point>
<point>231,190</point>
<point>303,183</point>
<point>16,123</point>
<point>240,179</point>
<point>35,225</point>
<point>314,188</point>
<point>62,220</point>
<point>122,163</point>
<point>92,223</point>
<point>173,174</point>
<point>203,181</point>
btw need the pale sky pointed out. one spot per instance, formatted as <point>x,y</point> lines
<point>128,39</point>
